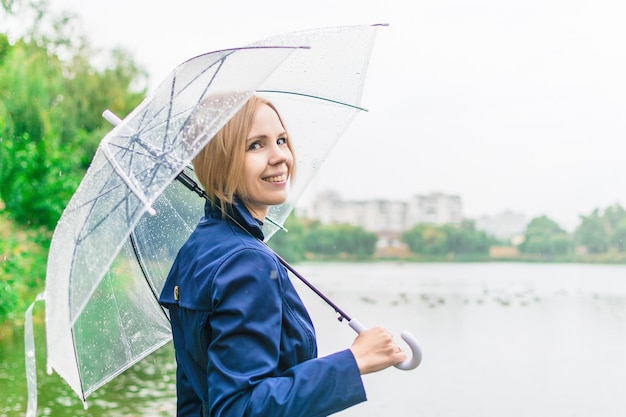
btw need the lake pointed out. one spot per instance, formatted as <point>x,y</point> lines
<point>499,339</point>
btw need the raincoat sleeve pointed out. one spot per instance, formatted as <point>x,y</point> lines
<point>244,354</point>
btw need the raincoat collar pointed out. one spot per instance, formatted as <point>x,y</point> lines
<point>237,213</point>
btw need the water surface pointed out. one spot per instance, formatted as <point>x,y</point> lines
<point>498,340</point>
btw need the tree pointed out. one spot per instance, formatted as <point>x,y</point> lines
<point>355,240</point>
<point>618,237</point>
<point>427,239</point>
<point>51,126</point>
<point>593,233</point>
<point>602,231</point>
<point>289,244</point>
<point>465,239</point>
<point>430,239</point>
<point>333,240</point>
<point>545,237</point>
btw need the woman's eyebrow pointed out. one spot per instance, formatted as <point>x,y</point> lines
<point>264,136</point>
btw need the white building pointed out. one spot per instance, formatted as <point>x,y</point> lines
<point>435,208</point>
<point>385,217</point>
<point>505,226</point>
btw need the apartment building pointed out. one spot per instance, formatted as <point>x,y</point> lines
<point>386,217</point>
<point>506,225</point>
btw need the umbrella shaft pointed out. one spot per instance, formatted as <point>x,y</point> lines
<point>342,315</point>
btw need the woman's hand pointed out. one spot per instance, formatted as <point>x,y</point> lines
<point>375,350</point>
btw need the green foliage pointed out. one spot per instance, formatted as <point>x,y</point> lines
<point>603,231</point>
<point>430,239</point>
<point>355,240</point>
<point>593,233</point>
<point>618,237</point>
<point>51,101</point>
<point>322,241</point>
<point>337,240</point>
<point>4,47</point>
<point>545,237</point>
<point>23,253</point>
<point>51,124</point>
<point>289,245</point>
<point>425,238</point>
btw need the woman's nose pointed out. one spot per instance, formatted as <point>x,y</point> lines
<point>279,154</point>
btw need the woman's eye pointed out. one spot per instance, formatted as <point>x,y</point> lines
<point>254,146</point>
<point>281,141</point>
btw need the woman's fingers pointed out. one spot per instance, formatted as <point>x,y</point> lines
<point>374,350</point>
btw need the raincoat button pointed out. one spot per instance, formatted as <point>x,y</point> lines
<point>176,294</point>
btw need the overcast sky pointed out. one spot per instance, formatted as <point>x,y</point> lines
<point>513,105</point>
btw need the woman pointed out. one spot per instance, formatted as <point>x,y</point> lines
<point>245,345</point>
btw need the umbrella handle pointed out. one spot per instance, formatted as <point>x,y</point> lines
<point>409,364</point>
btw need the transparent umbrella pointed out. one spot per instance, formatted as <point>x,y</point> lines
<point>114,244</point>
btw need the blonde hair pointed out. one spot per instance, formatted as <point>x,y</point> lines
<point>219,165</point>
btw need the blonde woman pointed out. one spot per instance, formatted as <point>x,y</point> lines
<point>245,344</point>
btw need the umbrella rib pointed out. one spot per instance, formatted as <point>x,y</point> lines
<point>174,94</point>
<point>220,64</point>
<point>159,155</point>
<point>151,151</point>
<point>133,142</point>
<point>77,359</point>
<point>169,110</point>
<point>101,194</point>
<point>142,267</point>
<point>104,191</point>
<point>330,100</point>
<point>84,233</point>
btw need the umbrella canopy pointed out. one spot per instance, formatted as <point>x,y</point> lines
<point>115,241</point>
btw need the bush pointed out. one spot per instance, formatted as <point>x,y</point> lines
<point>23,255</point>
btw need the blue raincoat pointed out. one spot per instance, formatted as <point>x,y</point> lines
<point>245,344</point>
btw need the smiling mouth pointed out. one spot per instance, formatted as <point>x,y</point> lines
<point>279,178</point>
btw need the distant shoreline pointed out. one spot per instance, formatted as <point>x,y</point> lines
<point>607,258</point>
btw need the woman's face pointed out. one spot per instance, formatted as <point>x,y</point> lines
<point>268,162</point>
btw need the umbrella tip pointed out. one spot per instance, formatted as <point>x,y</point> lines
<point>111,117</point>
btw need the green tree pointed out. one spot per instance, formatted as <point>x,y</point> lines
<point>613,216</point>
<point>333,240</point>
<point>445,239</point>
<point>603,230</point>
<point>289,244</point>
<point>593,233</point>
<point>426,239</point>
<point>465,239</point>
<point>51,99</point>
<point>545,237</point>
<point>51,111</point>
<point>618,237</point>
<point>355,240</point>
